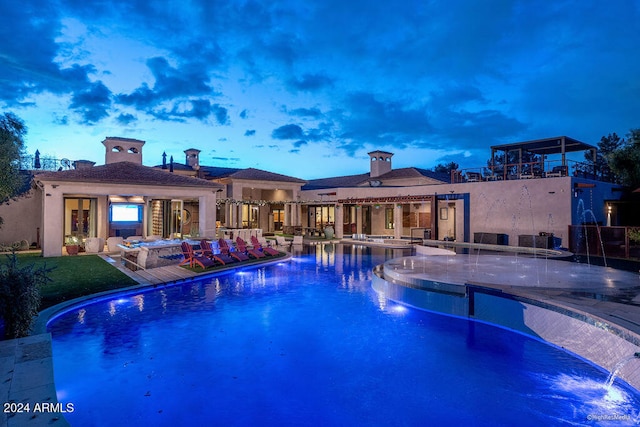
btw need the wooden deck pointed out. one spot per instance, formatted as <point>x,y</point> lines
<point>151,276</point>
<point>158,275</point>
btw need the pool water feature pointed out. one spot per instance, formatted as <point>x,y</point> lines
<point>308,342</point>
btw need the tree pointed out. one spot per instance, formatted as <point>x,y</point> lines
<point>12,132</point>
<point>20,295</point>
<point>625,161</point>
<point>446,168</point>
<point>607,145</point>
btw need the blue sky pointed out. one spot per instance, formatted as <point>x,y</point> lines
<point>308,88</point>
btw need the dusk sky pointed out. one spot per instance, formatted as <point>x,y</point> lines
<point>307,88</point>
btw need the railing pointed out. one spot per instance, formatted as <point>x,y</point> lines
<point>511,171</point>
<point>31,163</point>
<point>615,242</point>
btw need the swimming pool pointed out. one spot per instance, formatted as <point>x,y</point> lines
<point>308,342</point>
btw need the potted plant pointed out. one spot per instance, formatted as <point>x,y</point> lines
<point>72,244</point>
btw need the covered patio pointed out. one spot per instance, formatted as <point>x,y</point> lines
<point>515,167</point>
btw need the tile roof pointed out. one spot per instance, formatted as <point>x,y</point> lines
<point>214,172</point>
<point>262,175</point>
<point>404,173</point>
<point>336,181</point>
<point>362,179</point>
<point>125,173</point>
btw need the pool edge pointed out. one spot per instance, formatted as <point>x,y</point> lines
<point>574,329</point>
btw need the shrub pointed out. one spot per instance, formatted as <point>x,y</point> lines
<point>20,295</point>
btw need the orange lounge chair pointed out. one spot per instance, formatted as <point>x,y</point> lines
<point>265,249</point>
<point>193,259</point>
<point>242,247</point>
<point>226,250</point>
<point>207,251</point>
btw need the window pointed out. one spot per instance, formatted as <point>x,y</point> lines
<point>388,218</point>
<point>80,217</point>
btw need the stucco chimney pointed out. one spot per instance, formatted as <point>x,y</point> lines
<point>380,163</point>
<point>123,150</point>
<point>193,157</point>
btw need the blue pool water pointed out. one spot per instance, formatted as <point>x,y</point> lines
<point>308,342</point>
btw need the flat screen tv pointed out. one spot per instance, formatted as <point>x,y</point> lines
<point>125,213</point>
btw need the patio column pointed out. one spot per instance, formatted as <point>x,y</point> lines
<point>397,221</point>
<point>287,215</point>
<point>297,218</point>
<point>339,219</point>
<point>358,219</point>
<point>52,222</point>
<point>207,207</point>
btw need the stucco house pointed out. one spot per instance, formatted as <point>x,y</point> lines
<point>510,206</point>
<point>123,198</point>
<point>250,197</point>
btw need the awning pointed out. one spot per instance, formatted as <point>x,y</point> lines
<point>555,145</point>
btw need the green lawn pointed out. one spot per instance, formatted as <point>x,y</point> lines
<point>75,276</point>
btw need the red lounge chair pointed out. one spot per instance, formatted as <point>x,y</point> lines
<point>242,247</point>
<point>191,258</point>
<point>258,246</point>
<point>226,250</point>
<point>205,247</point>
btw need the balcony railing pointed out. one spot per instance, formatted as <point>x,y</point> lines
<point>32,163</point>
<point>532,170</point>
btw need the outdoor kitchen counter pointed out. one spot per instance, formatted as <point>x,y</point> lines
<point>152,254</point>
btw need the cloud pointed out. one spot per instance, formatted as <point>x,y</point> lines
<point>250,132</point>
<point>300,143</point>
<point>295,132</point>
<point>379,122</point>
<point>313,113</point>
<point>93,103</point>
<point>126,119</point>
<point>288,132</point>
<point>184,88</point>
<point>310,82</point>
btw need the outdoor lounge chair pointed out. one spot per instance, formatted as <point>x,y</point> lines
<point>281,241</point>
<point>193,259</point>
<point>207,251</point>
<point>225,249</point>
<point>242,247</point>
<point>473,177</point>
<point>557,171</point>
<point>264,249</point>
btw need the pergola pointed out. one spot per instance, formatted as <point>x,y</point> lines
<point>543,147</point>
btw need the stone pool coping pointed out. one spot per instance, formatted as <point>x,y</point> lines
<point>26,366</point>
